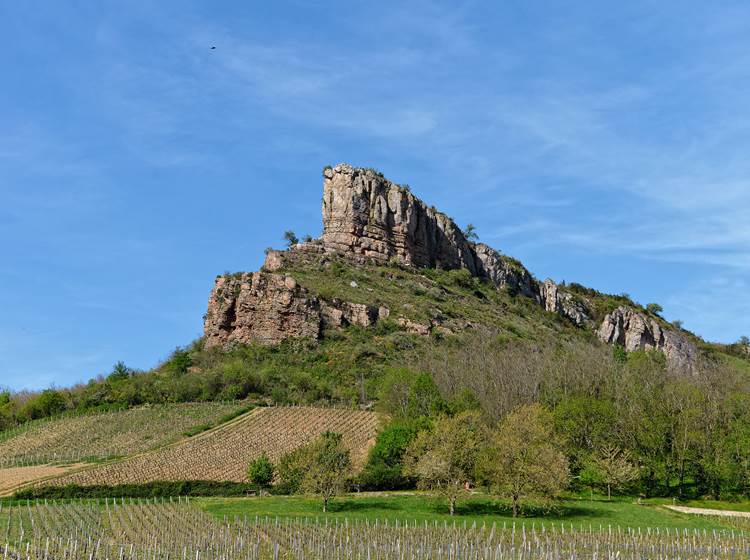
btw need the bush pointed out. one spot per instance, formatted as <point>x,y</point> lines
<point>383,470</point>
<point>261,471</point>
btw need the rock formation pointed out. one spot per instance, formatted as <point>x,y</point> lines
<point>558,301</point>
<point>369,219</point>
<point>259,307</point>
<point>635,331</point>
<point>267,308</point>
<point>503,271</point>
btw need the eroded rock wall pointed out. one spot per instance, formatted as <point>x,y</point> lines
<point>369,217</point>
<point>635,331</point>
<point>259,307</point>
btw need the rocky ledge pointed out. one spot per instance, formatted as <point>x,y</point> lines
<point>369,219</point>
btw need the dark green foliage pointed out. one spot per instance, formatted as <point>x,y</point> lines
<point>654,308</point>
<point>47,403</point>
<point>150,490</point>
<point>179,362</point>
<point>290,237</point>
<point>470,233</point>
<point>383,470</point>
<point>119,371</point>
<point>261,471</point>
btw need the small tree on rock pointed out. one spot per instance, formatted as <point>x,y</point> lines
<point>443,459</point>
<point>290,237</point>
<point>470,233</point>
<point>654,308</point>
<point>522,459</point>
<point>328,466</point>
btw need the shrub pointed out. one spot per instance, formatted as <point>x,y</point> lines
<point>261,471</point>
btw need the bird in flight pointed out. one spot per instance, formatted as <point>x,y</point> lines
<point>213,48</point>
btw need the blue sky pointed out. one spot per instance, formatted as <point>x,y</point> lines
<point>599,142</point>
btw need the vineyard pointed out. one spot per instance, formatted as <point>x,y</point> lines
<point>177,529</point>
<point>225,453</point>
<point>14,477</point>
<point>106,435</point>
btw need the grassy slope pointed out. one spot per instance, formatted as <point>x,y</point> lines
<point>420,507</point>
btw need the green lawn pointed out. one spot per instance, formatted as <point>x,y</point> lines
<point>422,507</point>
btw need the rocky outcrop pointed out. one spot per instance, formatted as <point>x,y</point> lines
<point>267,308</point>
<point>633,330</point>
<point>556,300</point>
<point>340,314</point>
<point>503,271</point>
<point>260,307</point>
<point>373,219</point>
<point>370,219</point>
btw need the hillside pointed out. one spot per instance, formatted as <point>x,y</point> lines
<point>94,437</point>
<point>224,454</point>
<point>396,308</point>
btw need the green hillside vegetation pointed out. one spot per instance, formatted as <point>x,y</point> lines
<point>687,435</point>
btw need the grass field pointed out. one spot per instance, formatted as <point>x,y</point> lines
<point>423,507</point>
<point>111,434</point>
<point>225,453</point>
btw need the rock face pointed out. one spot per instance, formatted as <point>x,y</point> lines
<point>369,219</point>
<point>503,272</point>
<point>259,307</point>
<point>558,301</point>
<point>367,216</point>
<point>635,331</point>
<point>267,308</point>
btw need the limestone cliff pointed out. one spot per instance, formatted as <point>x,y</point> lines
<point>259,307</point>
<point>369,219</point>
<point>635,331</point>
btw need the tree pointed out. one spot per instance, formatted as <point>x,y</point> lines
<point>261,471</point>
<point>119,371</point>
<point>614,468</point>
<point>522,459</point>
<point>654,308</point>
<point>443,459</point>
<point>290,237</point>
<point>384,468</point>
<point>179,363</point>
<point>470,233</point>
<point>406,395</point>
<point>328,466</point>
